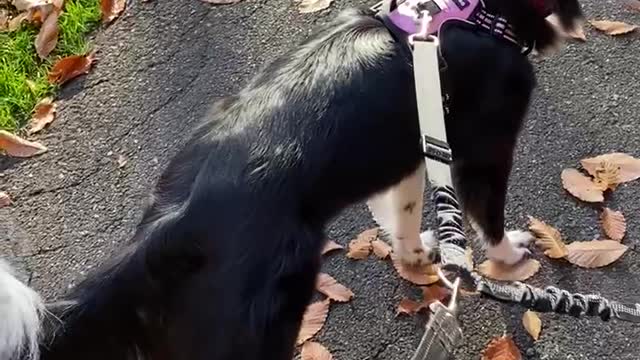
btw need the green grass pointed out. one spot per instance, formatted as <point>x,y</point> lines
<point>23,76</point>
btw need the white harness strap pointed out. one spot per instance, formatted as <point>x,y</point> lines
<point>430,112</point>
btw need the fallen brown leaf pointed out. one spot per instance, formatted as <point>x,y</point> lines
<point>16,146</point>
<point>48,36</point>
<point>548,238</point>
<point>360,247</point>
<point>532,324</point>
<point>613,28</point>
<point>628,165</point>
<point>332,288</point>
<point>313,320</point>
<point>596,253</point>
<point>469,254</point>
<point>70,67</point>
<point>576,33</point>
<point>430,294</point>
<point>309,6</point>
<point>43,114</point>
<point>381,249</point>
<point>331,246</point>
<point>613,224</point>
<point>5,199</point>
<point>434,293</point>
<point>410,307</point>
<point>222,2</point>
<point>501,348</point>
<point>632,5</point>
<point>419,275</point>
<point>581,186</point>
<point>111,9</point>
<point>519,272</point>
<point>314,351</point>
<point>607,176</point>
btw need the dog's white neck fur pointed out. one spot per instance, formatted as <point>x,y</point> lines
<point>21,310</point>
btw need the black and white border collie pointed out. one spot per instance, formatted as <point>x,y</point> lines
<point>224,260</point>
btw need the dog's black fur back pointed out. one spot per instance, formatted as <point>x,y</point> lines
<point>224,261</point>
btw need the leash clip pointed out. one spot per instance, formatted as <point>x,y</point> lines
<point>423,34</point>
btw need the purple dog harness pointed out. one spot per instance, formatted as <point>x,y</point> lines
<point>400,17</point>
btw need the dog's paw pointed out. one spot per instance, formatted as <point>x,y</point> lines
<point>512,248</point>
<point>415,253</point>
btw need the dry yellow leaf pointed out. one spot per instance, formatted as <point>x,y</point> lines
<point>14,145</point>
<point>581,186</point>
<point>501,348</point>
<point>469,255</point>
<point>43,114</point>
<point>314,351</point>
<point>381,249</point>
<point>628,165</point>
<point>313,320</point>
<point>5,199</point>
<point>613,28</point>
<point>331,246</point>
<point>419,274</point>
<point>613,224</point>
<point>332,288</point>
<point>596,253</point>
<point>548,239</point>
<point>518,272</point>
<point>532,324</point>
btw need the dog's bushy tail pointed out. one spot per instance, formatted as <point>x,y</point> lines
<point>21,311</point>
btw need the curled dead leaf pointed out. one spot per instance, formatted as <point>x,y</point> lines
<point>419,274</point>
<point>313,320</point>
<point>5,199</point>
<point>468,252</point>
<point>48,36</point>
<point>613,224</point>
<point>360,247</point>
<point>70,67</point>
<point>518,272</point>
<point>501,348</point>
<point>607,176</point>
<point>332,288</point>
<point>331,246</point>
<point>596,253</point>
<point>576,33</point>
<point>309,6</point>
<point>16,146</point>
<point>381,249</point>
<point>548,238</point>
<point>314,351</point>
<point>111,9</point>
<point>613,28</point>
<point>581,186</point>
<point>532,324</point>
<point>629,167</point>
<point>43,114</point>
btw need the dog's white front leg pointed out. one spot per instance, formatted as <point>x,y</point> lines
<point>398,212</point>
